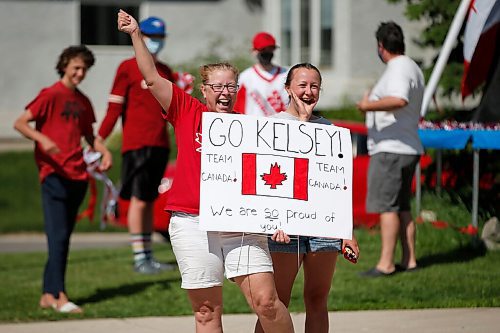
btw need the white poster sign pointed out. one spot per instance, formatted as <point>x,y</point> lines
<point>262,174</point>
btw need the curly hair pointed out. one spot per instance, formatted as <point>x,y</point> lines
<point>71,52</point>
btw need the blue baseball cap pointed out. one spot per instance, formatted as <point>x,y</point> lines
<point>153,26</point>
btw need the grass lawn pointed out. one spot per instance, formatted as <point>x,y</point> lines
<point>20,199</point>
<point>453,274</point>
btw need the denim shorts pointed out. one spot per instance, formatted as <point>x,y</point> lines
<point>306,244</point>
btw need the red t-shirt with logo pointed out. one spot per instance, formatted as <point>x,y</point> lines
<point>185,114</point>
<point>130,98</point>
<point>64,115</point>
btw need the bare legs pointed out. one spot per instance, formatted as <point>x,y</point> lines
<point>140,216</point>
<point>389,231</point>
<point>319,268</point>
<point>261,295</point>
<point>318,274</point>
<point>407,236</point>
<point>392,226</point>
<point>207,307</point>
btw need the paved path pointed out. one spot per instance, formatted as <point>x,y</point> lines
<point>30,242</point>
<point>469,320</point>
<point>481,320</point>
<point>15,144</point>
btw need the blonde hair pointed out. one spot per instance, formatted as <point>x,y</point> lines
<point>206,70</point>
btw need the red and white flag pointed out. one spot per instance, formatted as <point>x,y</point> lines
<point>480,38</point>
<point>275,176</point>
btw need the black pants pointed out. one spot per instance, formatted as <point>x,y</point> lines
<point>61,198</point>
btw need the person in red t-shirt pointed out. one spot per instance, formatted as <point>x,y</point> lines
<point>145,147</point>
<point>62,115</point>
<point>205,257</point>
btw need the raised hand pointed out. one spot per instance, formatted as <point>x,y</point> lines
<point>126,22</point>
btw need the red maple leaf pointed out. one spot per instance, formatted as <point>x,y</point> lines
<point>274,177</point>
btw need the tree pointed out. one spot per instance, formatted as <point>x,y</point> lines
<point>438,15</point>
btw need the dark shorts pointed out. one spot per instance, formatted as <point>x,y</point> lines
<point>142,171</point>
<point>306,244</point>
<point>389,182</point>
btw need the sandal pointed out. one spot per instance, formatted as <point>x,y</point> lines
<point>400,268</point>
<point>68,307</point>
<point>374,272</point>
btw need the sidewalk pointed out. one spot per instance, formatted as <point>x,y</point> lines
<point>480,320</point>
<point>31,242</point>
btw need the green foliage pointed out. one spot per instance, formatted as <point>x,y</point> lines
<point>438,15</point>
<point>344,113</point>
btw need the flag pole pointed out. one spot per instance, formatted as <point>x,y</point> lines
<point>449,41</point>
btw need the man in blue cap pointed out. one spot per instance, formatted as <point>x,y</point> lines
<point>145,146</point>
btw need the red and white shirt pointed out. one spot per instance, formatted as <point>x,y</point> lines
<point>262,93</point>
<point>131,99</point>
<point>64,115</point>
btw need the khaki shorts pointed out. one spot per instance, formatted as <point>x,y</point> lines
<point>205,257</point>
<point>389,182</point>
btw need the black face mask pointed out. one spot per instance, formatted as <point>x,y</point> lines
<point>265,58</point>
<point>380,55</point>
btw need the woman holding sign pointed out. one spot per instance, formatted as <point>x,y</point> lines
<point>204,257</point>
<point>317,255</point>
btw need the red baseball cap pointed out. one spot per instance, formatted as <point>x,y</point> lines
<point>262,40</point>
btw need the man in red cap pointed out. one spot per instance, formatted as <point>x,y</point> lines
<point>262,86</point>
<point>145,146</point>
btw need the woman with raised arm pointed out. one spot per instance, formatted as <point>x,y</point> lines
<point>317,255</point>
<point>204,257</point>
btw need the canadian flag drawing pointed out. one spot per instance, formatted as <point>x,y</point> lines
<point>275,176</point>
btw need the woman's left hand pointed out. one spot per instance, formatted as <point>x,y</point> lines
<point>280,236</point>
<point>353,244</point>
<point>304,110</point>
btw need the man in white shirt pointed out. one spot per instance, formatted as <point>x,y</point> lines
<point>392,110</point>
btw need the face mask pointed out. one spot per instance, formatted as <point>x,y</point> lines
<point>380,55</point>
<point>265,58</point>
<point>154,45</point>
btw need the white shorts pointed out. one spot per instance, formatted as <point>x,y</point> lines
<point>204,257</point>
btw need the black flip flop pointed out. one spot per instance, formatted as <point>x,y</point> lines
<point>374,272</point>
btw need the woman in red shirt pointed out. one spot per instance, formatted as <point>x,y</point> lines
<point>205,257</point>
